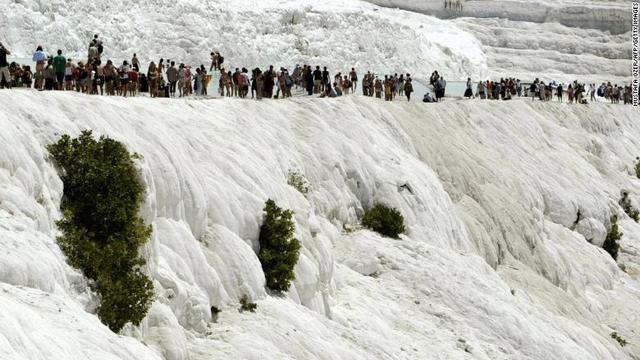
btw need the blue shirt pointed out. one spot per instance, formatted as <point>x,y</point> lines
<point>39,56</point>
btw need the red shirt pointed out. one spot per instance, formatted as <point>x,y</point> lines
<point>133,76</point>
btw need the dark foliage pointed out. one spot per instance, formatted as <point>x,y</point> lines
<point>279,249</point>
<point>101,230</point>
<point>384,220</point>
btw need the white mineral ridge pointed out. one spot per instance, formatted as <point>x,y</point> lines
<point>551,51</point>
<point>583,40</point>
<point>608,15</point>
<point>334,33</point>
<point>489,267</point>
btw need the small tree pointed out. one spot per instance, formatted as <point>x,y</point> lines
<point>246,305</point>
<point>279,249</point>
<point>637,167</point>
<point>299,182</point>
<point>625,203</point>
<point>124,298</point>
<point>384,220</point>
<point>632,212</point>
<point>619,339</point>
<point>101,229</point>
<point>611,243</point>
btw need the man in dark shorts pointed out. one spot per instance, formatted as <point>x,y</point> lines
<point>317,80</point>
<point>325,79</point>
<point>59,63</point>
<point>124,77</point>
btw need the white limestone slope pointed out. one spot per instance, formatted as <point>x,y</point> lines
<point>551,51</point>
<point>585,40</point>
<point>488,269</point>
<point>606,15</point>
<point>334,33</point>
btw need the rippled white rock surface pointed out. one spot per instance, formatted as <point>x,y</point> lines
<point>584,40</point>
<point>489,267</point>
<point>248,33</point>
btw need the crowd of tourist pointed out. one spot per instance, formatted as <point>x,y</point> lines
<point>168,78</point>
<point>574,92</point>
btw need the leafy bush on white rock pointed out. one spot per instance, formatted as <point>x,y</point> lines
<point>384,220</point>
<point>279,249</point>
<point>101,230</point>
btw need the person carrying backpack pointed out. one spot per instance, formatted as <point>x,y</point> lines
<point>408,87</point>
<point>216,61</point>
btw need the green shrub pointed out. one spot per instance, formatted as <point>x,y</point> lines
<point>299,182</point>
<point>618,338</point>
<point>101,229</point>
<point>637,167</point>
<point>246,305</point>
<point>384,220</point>
<point>632,212</point>
<point>279,249</point>
<point>625,203</point>
<point>124,298</point>
<point>612,242</point>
